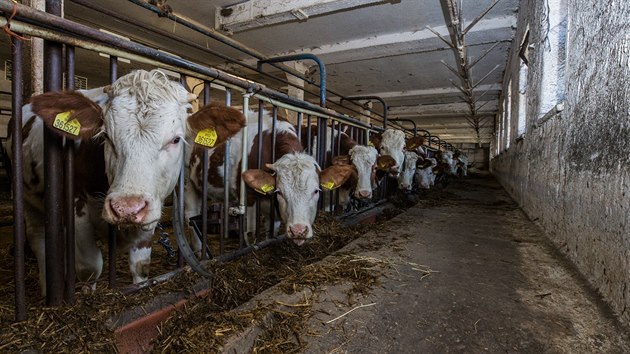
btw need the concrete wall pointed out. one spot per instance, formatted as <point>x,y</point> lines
<point>571,172</point>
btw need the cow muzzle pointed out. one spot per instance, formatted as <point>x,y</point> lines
<point>363,194</point>
<point>128,210</point>
<point>298,233</point>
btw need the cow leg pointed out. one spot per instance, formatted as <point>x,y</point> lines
<point>140,260</point>
<point>88,256</point>
<point>35,237</point>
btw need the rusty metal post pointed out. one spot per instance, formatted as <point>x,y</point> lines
<point>69,190</point>
<point>53,172</point>
<point>17,182</point>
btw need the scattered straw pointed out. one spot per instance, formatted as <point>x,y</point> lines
<point>346,313</point>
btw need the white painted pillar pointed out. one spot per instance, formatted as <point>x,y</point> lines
<point>295,92</point>
<point>37,55</point>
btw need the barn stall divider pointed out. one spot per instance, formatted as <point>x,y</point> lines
<point>57,32</point>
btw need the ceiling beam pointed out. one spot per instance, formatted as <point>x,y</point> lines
<point>487,31</point>
<point>460,108</point>
<point>254,14</point>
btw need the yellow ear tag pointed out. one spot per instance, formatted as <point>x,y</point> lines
<point>413,146</point>
<point>265,188</point>
<point>71,127</point>
<point>329,185</point>
<point>370,144</point>
<point>206,137</point>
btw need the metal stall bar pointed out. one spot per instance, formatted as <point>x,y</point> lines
<point>17,182</point>
<point>415,127</point>
<point>363,98</point>
<point>53,172</point>
<point>111,230</point>
<point>272,200</point>
<point>242,200</point>
<point>140,53</point>
<point>204,184</point>
<point>259,164</point>
<point>226,188</point>
<point>69,190</point>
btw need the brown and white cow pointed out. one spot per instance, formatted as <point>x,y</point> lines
<point>294,178</point>
<point>364,161</point>
<point>425,178</point>
<point>129,141</point>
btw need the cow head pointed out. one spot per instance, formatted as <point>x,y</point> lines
<point>365,161</point>
<point>424,173</point>
<point>143,124</point>
<point>446,157</point>
<point>393,144</point>
<point>296,182</point>
<point>405,178</point>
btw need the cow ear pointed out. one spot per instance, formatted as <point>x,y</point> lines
<point>213,124</point>
<point>341,160</point>
<point>68,113</point>
<point>334,176</point>
<point>375,140</point>
<point>385,162</point>
<point>413,143</point>
<point>260,181</point>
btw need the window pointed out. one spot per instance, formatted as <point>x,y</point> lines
<point>508,115</point>
<point>554,30</point>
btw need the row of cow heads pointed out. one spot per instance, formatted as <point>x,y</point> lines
<point>141,120</point>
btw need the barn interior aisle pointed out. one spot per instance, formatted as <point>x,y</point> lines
<point>463,270</point>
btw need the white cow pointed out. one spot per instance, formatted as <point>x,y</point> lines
<point>425,178</point>
<point>129,139</point>
<point>294,178</point>
<point>393,144</point>
<point>405,178</point>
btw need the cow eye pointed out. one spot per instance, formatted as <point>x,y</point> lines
<point>176,140</point>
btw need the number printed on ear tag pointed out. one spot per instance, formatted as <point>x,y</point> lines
<point>71,127</point>
<point>206,137</point>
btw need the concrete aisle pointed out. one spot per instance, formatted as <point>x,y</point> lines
<point>496,286</point>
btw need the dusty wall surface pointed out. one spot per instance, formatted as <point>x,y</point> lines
<point>572,171</point>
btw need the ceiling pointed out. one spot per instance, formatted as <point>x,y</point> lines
<point>370,47</point>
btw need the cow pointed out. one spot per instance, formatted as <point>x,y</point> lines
<point>294,178</point>
<point>405,177</point>
<point>445,158</point>
<point>425,178</point>
<point>462,163</point>
<point>129,140</point>
<point>364,161</point>
<point>391,142</point>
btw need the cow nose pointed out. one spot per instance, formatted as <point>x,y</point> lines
<point>298,231</point>
<point>405,186</point>
<point>365,193</point>
<point>129,209</point>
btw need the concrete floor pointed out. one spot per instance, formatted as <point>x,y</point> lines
<point>495,285</point>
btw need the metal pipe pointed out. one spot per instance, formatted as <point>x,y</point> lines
<point>204,184</point>
<point>272,200</point>
<point>69,190</point>
<point>226,187</point>
<point>363,98</point>
<point>242,202</point>
<point>111,232</point>
<point>259,163</point>
<point>53,172</point>
<point>415,127</point>
<point>17,181</point>
<point>320,64</point>
<point>143,54</point>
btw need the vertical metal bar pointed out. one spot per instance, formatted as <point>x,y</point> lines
<point>242,197</point>
<point>111,231</point>
<point>69,190</point>
<point>321,148</point>
<point>272,201</point>
<point>339,128</point>
<point>299,127</point>
<point>309,131</point>
<point>259,163</point>
<point>332,156</point>
<point>53,171</point>
<point>204,184</point>
<point>226,188</point>
<point>17,181</point>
